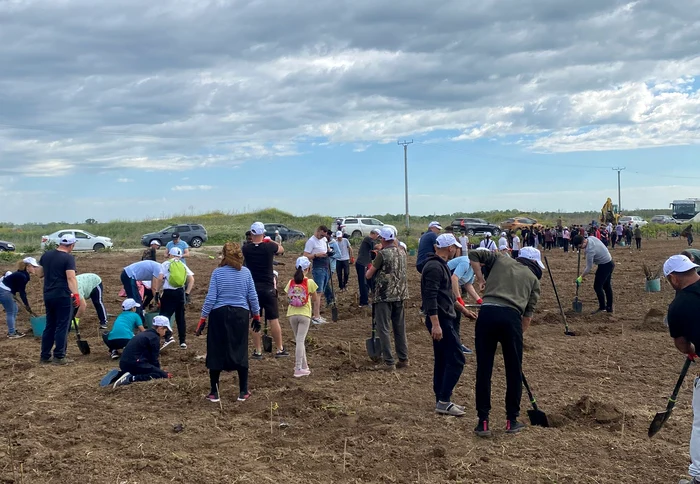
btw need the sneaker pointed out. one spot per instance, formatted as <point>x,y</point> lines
<point>167,343</point>
<point>183,346</point>
<point>61,361</point>
<point>243,396</point>
<point>125,379</point>
<point>114,354</point>
<point>482,429</point>
<point>322,319</point>
<point>44,362</point>
<point>598,311</point>
<point>257,356</point>
<point>103,326</point>
<point>16,335</point>
<point>213,397</point>
<point>466,350</point>
<point>299,373</point>
<point>316,321</point>
<point>449,408</point>
<point>513,426</point>
<point>282,353</point>
<point>385,367</point>
<point>402,364</point>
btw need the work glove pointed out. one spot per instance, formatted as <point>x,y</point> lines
<point>479,301</point>
<point>461,301</point>
<point>200,326</point>
<point>170,375</point>
<point>352,260</point>
<point>76,300</point>
<point>255,324</point>
<point>579,280</point>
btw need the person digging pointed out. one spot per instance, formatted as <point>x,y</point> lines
<point>597,253</point>
<point>682,317</point>
<point>140,360</point>
<point>510,296</point>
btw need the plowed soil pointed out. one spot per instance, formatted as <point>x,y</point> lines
<point>346,422</point>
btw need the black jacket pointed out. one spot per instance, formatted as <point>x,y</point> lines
<point>436,289</point>
<point>142,348</point>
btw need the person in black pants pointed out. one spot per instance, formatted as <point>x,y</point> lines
<point>172,302</point>
<point>598,254</point>
<point>510,296</point>
<point>438,303</point>
<point>361,264</point>
<point>141,358</point>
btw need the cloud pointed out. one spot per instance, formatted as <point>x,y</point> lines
<point>188,188</point>
<point>115,85</point>
<point>125,180</point>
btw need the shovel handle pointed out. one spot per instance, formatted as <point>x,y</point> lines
<point>556,293</point>
<point>533,402</point>
<point>681,377</point>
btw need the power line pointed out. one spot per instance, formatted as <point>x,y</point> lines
<point>405,172</point>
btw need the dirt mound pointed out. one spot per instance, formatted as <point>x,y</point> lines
<point>653,321</point>
<point>548,318</point>
<point>588,409</point>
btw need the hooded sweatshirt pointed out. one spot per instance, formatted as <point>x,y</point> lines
<point>682,314</point>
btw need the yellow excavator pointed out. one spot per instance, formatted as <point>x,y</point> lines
<point>609,213</point>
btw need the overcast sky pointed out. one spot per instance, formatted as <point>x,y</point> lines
<point>132,109</point>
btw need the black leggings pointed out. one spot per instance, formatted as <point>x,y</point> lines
<point>343,272</point>
<point>242,380</point>
<point>639,243</point>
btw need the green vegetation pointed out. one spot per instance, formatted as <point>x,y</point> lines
<point>223,227</point>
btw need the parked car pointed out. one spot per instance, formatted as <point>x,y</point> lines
<point>474,226</point>
<point>664,220</point>
<point>194,234</point>
<point>285,232</point>
<point>6,246</point>
<point>516,223</point>
<point>84,240</point>
<point>635,219</point>
<point>359,226</point>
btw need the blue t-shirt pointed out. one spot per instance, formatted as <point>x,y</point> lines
<point>125,326</point>
<point>461,268</point>
<point>144,270</point>
<point>182,245</point>
<point>426,246</point>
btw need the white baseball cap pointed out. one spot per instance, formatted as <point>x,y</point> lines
<point>446,240</point>
<point>129,304</point>
<point>387,234</point>
<point>155,242</point>
<point>678,263</point>
<point>68,239</point>
<point>162,321</point>
<point>375,231</point>
<point>403,244</point>
<point>503,234</point>
<point>487,234</point>
<point>31,261</point>
<point>302,263</point>
<point>435,224</point>
<point>532,254</point>
<point>339,234</point>
<point>175,252</point>
<point>503,247</point>
<point>258,228</point>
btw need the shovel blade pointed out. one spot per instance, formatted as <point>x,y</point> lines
<point>110,377</point>
<point>334,313</point>
<point>374,348</point>
<point>658,422</point>
<point>267,343</point>
<point>84,347</point>
<point>578,306</point>
<point>538,417</point>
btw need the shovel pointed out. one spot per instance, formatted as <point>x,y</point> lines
<point>110,377</point>
<point>266,340</point>
<point>334,307</point>
<point>561,309</point>
<point>661,417</point>
<point>537,416</point>
<point>374,347</point>
<point>578,305</point>
<point>83,345</point>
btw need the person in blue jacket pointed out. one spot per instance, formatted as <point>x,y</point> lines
<point>426,245</point>
<point>141,358</point>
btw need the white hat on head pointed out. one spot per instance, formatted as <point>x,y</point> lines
<point>387,234</point>
<point>532,254</point>
<point>155,242</point>
<point>162,321</point>
<point>403,244</point>
<point>175,252</point>
<point>487,234</point>
<point>258,228</point>
<point>503,234</point>
<point>678,263</point>
<point>302,263</point>
<point>435,224</point>
<point>503,247</point>
<point>129,304</point>
<point>339,234</point>
<point>375,231</point>
<point>31,261</point>
<point>68,239</point>
<point>446,240</point>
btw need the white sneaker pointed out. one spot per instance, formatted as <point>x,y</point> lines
<point>322,319</point>
<point>125,379</point>
<point>316,321</point>
<point>167,343</point>
<point>183,346</point>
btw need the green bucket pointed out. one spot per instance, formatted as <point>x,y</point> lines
<point>412,252</point>
<point>653,286</point>
<point>38,325</point>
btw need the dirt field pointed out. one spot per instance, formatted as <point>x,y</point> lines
<point>347,423</point>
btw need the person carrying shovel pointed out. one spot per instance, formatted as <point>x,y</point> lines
<point>682,274</point>
<point>510,296</point>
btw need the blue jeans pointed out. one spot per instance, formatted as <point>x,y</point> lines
<point>59,312</point>
<point>8,302</point>
<point>320,276</point>
<point>132,291</point>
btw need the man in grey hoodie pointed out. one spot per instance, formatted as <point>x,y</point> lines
<point>597,253</point>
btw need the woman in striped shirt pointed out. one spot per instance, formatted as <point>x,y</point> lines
<point>230,300</point>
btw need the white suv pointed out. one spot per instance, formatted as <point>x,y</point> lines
<point>634,219</point>
<point>357,226</point>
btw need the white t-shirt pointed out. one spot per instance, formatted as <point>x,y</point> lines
<point>516,242</point>
<point>344,245</point>
<point>502,242</point>
<point>166,273</point>
<point>464,240</point>
<point>488,244</point>
<point>316,246</point>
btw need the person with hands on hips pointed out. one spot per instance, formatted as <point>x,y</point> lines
<point>439,306</point>
<point>13,284</point>
<point>230,300</point>
<point>682,318</point>
<point>597,253</point>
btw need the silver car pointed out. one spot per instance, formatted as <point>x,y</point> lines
<point>84,240</point>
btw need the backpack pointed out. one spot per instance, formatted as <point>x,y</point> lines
<point>298,294</point>
<point>178,274</point>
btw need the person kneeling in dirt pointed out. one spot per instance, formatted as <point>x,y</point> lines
<point>510,296</point>
<point>439,307</point>
<point>123,328</point>
<point>682,317</point>
<point>141,358</point>
<point>597,253</point>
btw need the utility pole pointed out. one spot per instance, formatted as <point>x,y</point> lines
<point>405,173</point>
<point>619,199</point>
